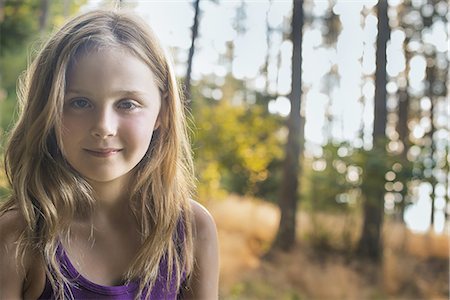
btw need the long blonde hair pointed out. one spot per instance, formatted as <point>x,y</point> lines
<point>49,194</point>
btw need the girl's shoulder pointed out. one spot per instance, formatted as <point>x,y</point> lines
<point>12,225</point>
<point>204,225</point>
<point>12,276</point>
<point>205,279</point>
<point>15,270</point>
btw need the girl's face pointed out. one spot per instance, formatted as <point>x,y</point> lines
<point>110,111</point>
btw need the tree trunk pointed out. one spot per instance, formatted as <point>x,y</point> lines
<point>431,78</point>
<point>447,181</point>
<point>43,18</point>
<point>187,79</point>
<point>402,127</point>
<point>432,179</point>
<point>370,244</point>
<point>403,132</point>
<point>285,237</point>
<point>380,117</point>
<point>265,68</point>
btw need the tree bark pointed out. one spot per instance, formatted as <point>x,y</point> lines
<point>285,238</point>
<point>370,244</point>
<point>432,179</point>
<point>265,68</point>
<point>403,132</point>
<point>43,18</point>
<point>402,127</point>
<point>187,79</point>
<point>431,78</point>
<point>380,117</point>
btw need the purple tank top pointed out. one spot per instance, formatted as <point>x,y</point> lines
<point>82,288</point>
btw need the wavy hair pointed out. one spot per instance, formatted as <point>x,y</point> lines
<point>50,194</point>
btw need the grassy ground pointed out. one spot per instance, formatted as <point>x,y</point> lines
<point>322,266</point>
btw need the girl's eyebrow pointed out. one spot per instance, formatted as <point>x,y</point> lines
<point>76,91</point>
<point>131,93</point>
<point>115,93</point>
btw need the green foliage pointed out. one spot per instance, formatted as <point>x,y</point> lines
<point>4,186</point>
<point>19,33</point>
<point>7,116</point>
<point>59,13</point>
<point>328,180</point>
<point>376,164</point>
<point>339,179</point>
<point>11,65</point>
<point>19,23</point>
<point>235,145</point>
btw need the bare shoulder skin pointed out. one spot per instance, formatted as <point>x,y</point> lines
<point>205,279</point>
<point>28,281</point>
<point>17,280</point>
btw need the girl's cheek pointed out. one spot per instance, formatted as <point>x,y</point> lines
<point>141,124</point>
<point>71,125</point>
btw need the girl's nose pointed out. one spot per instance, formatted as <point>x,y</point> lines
<point>105,124</point>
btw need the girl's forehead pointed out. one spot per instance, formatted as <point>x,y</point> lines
<point>101,72</point>
<point>96,49</point>
<point>98,55</point>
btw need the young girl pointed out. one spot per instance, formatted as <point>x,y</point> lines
<point>101,174</point>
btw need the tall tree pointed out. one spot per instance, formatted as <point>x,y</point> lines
<point>436,90</point>
<point>432,179</point>
<point>285,237</point>
<point>403,116</point>
<point>403,132</point>
<point>187,79</point>
<point>370,244</point>
<point>265,67</point>
<point>447,181</point>
<point>44,14</point>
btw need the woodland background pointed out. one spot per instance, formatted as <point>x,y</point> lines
<point>310,161</point>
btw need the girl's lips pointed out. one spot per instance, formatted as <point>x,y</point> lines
<point>102,152</point>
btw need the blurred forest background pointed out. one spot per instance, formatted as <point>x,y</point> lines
<point>320,130</point>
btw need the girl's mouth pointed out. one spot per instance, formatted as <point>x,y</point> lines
<point>104,152</point>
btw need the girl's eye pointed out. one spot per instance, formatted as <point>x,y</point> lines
<point>127,105</point>
<point>80,103</point>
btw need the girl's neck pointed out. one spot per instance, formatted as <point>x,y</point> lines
<point>111,196</point>
<point>112,207</point>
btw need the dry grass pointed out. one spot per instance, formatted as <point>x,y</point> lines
<point>414,266</point>
<point>244,233</point>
